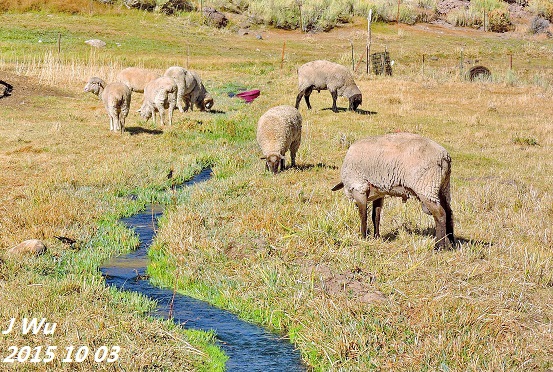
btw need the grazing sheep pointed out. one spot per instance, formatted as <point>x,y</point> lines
<point>116,98</point>
<point>136,78</point>
<point>279,130</point>
<point>404,165</point>
<point>183,79</point>
<point>5,89</point>
<point>159,95</point>
<point>198,95</point>
<point>191,90</point>
<point>324,75</point>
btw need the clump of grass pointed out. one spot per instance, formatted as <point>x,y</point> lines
<point>525,141</point>
<point>73,7</point>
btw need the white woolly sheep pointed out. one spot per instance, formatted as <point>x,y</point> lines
<point>116,98</point>
<point>136,78</point>
<point>191,90</point>
<point>159,95</point>
<point>279,130</point>
<point>197,95</point>
<point>180,74</point>
<point>404,165</point>
<point>324,75</point>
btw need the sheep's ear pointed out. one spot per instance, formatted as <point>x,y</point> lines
<point>338,186</point>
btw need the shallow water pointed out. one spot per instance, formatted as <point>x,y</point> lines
<point>249,347</point>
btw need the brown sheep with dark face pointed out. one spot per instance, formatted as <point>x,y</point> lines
<point>404,165</point>
<point>324,75</point>
<point>279,130</point>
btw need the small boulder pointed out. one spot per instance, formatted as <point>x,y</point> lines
<point>32,247</point>
<point>215,18</point>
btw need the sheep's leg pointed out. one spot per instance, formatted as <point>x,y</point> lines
<point>171,109</point>
<point>161,114</point>
<point>444,201</point>
<point>122,121</point>
<point>361,202</point>
<point>377,208</point>
<point>334,98</point>
<point>186,99</point>
<point>123,117</point>
<point>282,163</point>
<point>308,92</point>
<point>293,150</point>
<point>110,123</point>
<point>298,98</point>
<point>439,214</point>
<point>180,98</point>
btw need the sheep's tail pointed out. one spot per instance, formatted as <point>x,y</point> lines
<point>338,186</point>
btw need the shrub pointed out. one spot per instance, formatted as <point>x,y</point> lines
<point>499,21</point>
<point>539,25</point>
<point>543,8</point>
<point>465,18</point>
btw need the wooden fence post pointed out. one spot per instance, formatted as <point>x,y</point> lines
<point>369,38</point>
<point>282,58</point>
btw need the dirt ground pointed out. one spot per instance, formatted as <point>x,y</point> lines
<point>24,88</point>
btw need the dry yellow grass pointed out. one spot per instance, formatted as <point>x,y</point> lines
<point>284,251</point>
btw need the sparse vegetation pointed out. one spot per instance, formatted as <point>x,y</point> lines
<point>282,251</point>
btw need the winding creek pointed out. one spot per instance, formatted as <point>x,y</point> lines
<point>249,347</point>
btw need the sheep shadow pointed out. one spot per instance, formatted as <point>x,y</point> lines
<point>431,231</point>
<point>304,167</point>
<point>358,111</point>
<point>140,130</point>
<point>216,112</point>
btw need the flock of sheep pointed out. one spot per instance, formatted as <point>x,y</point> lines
<point>177,87</point>
<point>400,164</point>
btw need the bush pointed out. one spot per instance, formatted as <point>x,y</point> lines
<point>543,8</point>
<point>499,21</point>
<point>539,25</point>
<point>465,18</point>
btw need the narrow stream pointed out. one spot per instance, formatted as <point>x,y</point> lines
<point>249,347</point>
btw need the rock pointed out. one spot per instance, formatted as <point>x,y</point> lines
<point>97,43</point>
<point>140,4</point>
<point>173,6</point>
<point>215,18</point>
<point>32,247</point>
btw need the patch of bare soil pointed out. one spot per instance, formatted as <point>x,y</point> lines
<point>25,87</point>
<point>355,284</point>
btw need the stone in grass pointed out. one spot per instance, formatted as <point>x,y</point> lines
<point>32,247</point>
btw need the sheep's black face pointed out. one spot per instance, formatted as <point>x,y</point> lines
<point>355,101</point>
<point>273,162</point>
<point>208,103</point>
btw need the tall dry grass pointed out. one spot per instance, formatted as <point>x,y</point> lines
<point>72,7</point>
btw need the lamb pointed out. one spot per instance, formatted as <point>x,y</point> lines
<point>279,130</point>
<point>159,95</point>
<point>191,90</point>
<point>404,165</point>
<point>117,100</point>
<point>324,75</point>
<point>136,78</point>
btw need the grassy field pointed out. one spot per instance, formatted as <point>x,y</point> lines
<point>282,251</point>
